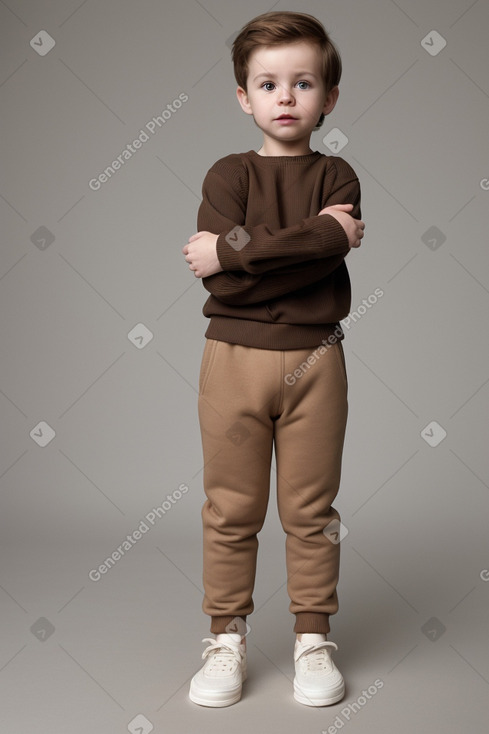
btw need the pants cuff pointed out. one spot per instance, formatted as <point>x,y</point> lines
<point>311,622</point>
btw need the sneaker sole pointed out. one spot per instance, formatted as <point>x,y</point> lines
<point>216,699</point>
<point>316,698</point>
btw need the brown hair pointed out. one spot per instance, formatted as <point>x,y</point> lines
<point>278,28</point>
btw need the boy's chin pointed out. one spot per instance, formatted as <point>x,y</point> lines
<point>286,137</point>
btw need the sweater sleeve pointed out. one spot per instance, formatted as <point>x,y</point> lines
<point>242,289</point>
<point>223,207</point>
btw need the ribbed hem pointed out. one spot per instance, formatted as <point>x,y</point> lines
<point>311,622</point>
<point>271,336</point>
<point>219,624</point>
<point>304,622</point>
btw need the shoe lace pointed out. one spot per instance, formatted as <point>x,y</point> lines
<point>318,655</point>
<point>224,655</point>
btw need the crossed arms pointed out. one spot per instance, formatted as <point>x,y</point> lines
<point>255,264</point>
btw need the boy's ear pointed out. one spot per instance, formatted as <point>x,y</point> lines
<point>331,100</point>
<point>243,100</point>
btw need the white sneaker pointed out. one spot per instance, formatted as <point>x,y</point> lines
<point>219,681</point>
<point>317,682</point>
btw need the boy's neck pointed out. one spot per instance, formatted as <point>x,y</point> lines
<point>274,148</point>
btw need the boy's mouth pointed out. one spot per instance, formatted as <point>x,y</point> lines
<point>286,117</point>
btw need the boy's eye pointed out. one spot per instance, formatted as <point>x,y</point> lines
<point>268,85</point>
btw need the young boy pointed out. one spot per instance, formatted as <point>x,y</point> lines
<point>274,227</point>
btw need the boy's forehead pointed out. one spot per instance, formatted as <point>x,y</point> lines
<point>299,56</point>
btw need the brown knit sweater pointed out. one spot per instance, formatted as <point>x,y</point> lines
<point>284,283</point>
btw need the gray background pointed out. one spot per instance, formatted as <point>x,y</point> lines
<point>80,655</point>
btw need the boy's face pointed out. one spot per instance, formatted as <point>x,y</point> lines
<point>286,80</point>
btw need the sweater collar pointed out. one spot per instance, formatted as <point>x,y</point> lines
<point>270,159</point>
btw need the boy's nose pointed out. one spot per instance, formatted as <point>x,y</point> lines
<point>285,95</point>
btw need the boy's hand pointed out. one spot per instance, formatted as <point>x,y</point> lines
<point>354,228</point>
<point>201,254</point>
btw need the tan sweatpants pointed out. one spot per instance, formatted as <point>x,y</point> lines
<point>249,400</point>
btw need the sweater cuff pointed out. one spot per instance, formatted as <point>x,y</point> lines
<point>228,255</point>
